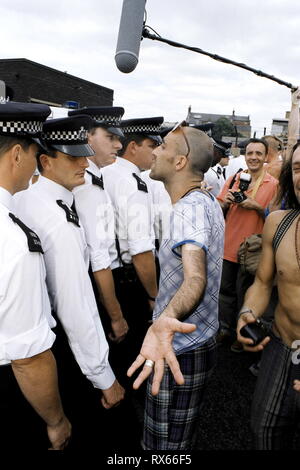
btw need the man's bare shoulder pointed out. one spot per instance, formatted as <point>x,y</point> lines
<point>273,220</point>
<point>274,168</point>
<point>276,216</point>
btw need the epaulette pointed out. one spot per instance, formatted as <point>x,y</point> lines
<point>33,240</point>
<point>96,180</point>
<point>70,214</point>
<point>140,183</point>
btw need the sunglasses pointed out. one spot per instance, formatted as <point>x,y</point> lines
<point>179,127</point>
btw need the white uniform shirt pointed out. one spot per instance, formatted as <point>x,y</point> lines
<point>134,223</point>
<point>69,286</point>
<point>96,214</point>
<point>214,178</point>
<point>25,312</point>
<point>234,165</point>
<point>161,204</point>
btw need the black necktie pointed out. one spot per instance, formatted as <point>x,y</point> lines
<point>34,243</point>
<point>73,207</point>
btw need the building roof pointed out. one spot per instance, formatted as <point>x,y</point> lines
<point>3,61</point>
<point>214,117</point>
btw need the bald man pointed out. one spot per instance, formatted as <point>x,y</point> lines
<point>190,258</point>
<point>273,160</point>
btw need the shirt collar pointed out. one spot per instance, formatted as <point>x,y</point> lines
<point>128,165</point>
<point>93,168</point>
<point>6,198</point>
<point>54,189</point>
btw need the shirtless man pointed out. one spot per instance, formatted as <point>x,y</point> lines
<point>275,401</point>
<point>273,160</point>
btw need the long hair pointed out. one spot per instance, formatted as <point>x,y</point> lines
<point>286,188</point>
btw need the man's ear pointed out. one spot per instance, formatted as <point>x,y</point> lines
<point>45,161</point>
<point>180,162</point>
<point>132,147</point>
<point>16,153</point>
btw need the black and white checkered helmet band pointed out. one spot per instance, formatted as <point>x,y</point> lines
<point>21,127</point>
<point>108,120</point>
<point>142,129</point>
<point>66,136</point>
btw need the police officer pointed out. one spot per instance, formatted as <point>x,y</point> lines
<point>215,176</point>
<point>25,314</point>
<point>48,207</point>
<point>96,213</point>
<point>104,135</point>
<point>136,278</point>
<point>161,202</point>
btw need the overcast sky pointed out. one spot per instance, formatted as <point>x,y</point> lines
<point>80,37</point>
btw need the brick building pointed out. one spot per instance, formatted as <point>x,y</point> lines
<point>28,81</point>
<point>242,123</point>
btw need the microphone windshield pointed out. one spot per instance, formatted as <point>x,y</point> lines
<point>130,35</point>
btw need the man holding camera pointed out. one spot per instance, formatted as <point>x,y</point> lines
<point>243,199</point>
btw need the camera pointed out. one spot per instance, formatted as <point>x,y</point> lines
<point>245,180</point>
<point>256,331</point>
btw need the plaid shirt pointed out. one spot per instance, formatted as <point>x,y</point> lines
<point>197,218</point>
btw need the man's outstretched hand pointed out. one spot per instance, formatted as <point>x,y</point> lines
<point>157,347</point>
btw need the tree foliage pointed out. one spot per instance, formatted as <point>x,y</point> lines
<point>223,127</point>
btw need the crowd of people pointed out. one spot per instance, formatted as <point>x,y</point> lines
<point>120,274</point>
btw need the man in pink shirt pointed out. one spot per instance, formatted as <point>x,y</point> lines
<point>242,220</point>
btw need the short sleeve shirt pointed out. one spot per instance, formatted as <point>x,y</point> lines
<point>133,212</point>
<point>25,313</point>
<point>197,218</point>
<point>161,204</point>
<point>241,223</point>
<point>69,286</point>
<point>96,213</point>
<point>214,178</point>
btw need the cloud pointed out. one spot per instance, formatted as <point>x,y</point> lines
<point>80,37</point>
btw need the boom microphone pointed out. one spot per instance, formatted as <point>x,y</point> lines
<point>130,35</point>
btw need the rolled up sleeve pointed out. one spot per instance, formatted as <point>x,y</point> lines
<point>93,214</point>
<point>73,300</point>
<point>24,309</point>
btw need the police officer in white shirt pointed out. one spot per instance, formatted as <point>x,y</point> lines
<point>136,278</point>
<point>161,202</point>
<point>25,314</point>
<point>48,207</point>
<point>215,177</point>
<point>96,213</point>
<point>237,163</point>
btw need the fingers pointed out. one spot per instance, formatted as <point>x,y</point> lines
<point>143,375</point>
<point>105,404</point>
<point>108,405</point>
<point>184,327</point>
<point>135,365</point>
<point>116,339</point>
<point>175,368</point>
<point>297,385</point>
<point>60,446</point>
<point>158,376</point>
<point>257,348</point>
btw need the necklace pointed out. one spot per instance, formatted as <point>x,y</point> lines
<point>296,242</point>
<point>191,189</point>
